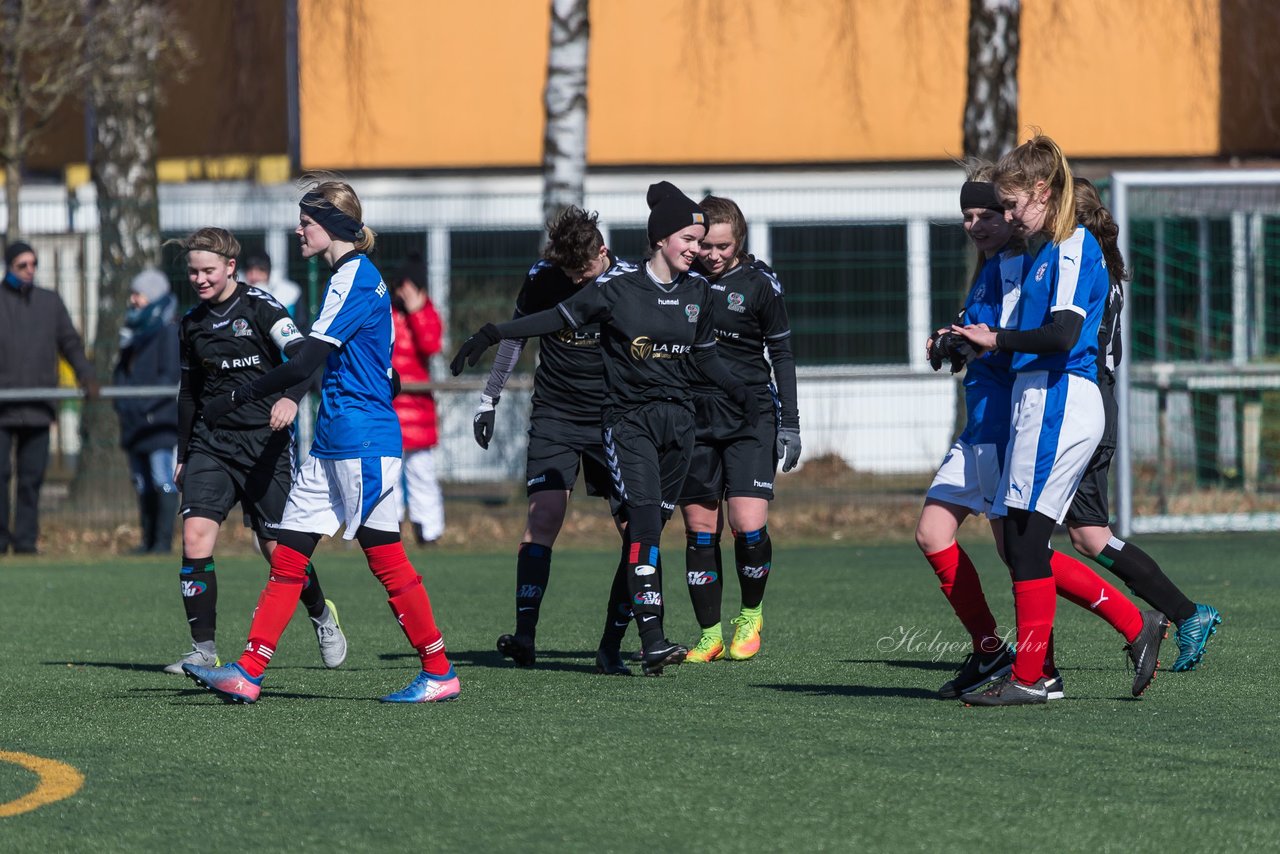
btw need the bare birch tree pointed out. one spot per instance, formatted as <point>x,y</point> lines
<point>41,64</point>
<point>991,102</point>
<point>564,144</point>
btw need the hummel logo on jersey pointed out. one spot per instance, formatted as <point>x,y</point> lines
<point>1102,597</point>
<point>220,324</point>
<point>246,362</point>
<point>542,478</point>
<point>718,287</point>
<point>763,484</point>
<point>668,301</point>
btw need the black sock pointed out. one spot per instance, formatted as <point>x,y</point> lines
<point>1146,579</point>
<point>200,596</point>
<point>753,552</point>
<point>533,571</point>
<point>702,574</point>
<point>645,587</point>
<point>312,595</point>
<point>618,616</point>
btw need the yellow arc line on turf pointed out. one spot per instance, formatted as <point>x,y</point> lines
<point>58,780</point>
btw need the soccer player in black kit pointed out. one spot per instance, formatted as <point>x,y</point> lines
<point>657,340</point>
<point>564,425</point>
<point>236,334</point>
<point>731,460</point>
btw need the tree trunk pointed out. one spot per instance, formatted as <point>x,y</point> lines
<point>13,100</point>
<point>991,104</point>
<point>127,35</point>
<point>564,146</point>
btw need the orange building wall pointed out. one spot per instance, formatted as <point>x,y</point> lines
<point>429,84</point>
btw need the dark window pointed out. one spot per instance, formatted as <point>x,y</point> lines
<point>846,289</point>
<point>486,271</point>
<point>951,266</point>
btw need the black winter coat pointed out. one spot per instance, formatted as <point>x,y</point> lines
<point>34,330</point>
<point>149,423</point>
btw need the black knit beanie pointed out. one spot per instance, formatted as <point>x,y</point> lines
<point>13,250</point>
<point>670,210</point>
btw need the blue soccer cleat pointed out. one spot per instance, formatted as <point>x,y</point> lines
<point>428,688</point>
<point>1193,635</point>
<point>229,682</point>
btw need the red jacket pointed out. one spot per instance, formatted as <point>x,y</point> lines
<point>417,339</point>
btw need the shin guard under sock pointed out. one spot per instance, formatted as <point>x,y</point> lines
<point>199,596</point>
<point>312,594</point>
<point>960,584</point>
<point>703,576</point>
<point>275,607</point>
<point>1146,579</point>
<point>753,553</point>
<point>1081,585</point>
<point>409,603</point>
<point>1034,602</point>
<point>645,588</point>
<point>533,571</point>
<point>618,615</point>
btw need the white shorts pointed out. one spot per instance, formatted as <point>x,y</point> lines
<point>330,493</point>
<point>1056,424</point>
<point>968,477</point>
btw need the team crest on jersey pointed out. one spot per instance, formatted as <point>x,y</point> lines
<point>979,291</point>
<point>240,328</point>
<point>691,311</point>
<point>735,302</point>
<point>1040,272</point>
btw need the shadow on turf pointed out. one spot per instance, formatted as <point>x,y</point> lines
<point>548,659</point>
<point>911,664</point>
<point>855,691</point>
<point>114,665</point>
<point>186,693</point>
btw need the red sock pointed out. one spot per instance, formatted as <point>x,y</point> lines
<point>1086,588</point>
<point>275,608</point>
<point>963,589</point>
<point>1034,602</point>
<point>410,604</point>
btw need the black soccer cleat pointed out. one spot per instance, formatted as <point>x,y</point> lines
<point>518,648</point>
<point>978,669</point>
<point>662,655</point>
<point>1145,650</point>
<point>1007,691</point>
<point>609,663</point>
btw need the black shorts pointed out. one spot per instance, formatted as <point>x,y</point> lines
<point>1090,507</point>
<point>730,458</point>
<point>648,449</point>
<point>557,447</point>
<point>250,467</point>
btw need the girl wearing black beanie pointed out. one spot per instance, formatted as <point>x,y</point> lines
<point>657,339</point>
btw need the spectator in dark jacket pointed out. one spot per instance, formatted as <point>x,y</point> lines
<point>34,330</point>
<point>149,425</point>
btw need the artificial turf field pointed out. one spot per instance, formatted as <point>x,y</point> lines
<point>830,739</point>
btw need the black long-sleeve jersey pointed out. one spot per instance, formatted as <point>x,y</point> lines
<point>649,332</point>
<point>569,379</point>
<point>223,346</point>
<point>749,315</point>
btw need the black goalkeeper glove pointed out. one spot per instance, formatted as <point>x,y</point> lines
<point>483,421</point>
<point>746,401</point>
<point>788,448</point>
<point>935,357</point>
<point>473,348</point>
<point>216,409</point>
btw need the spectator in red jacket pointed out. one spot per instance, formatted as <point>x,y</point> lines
<point>418,338</point>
